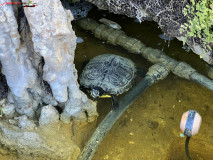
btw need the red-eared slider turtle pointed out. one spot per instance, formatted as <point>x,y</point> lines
<point>108,75</point>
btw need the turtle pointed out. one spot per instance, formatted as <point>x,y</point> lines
<point>108,75</point>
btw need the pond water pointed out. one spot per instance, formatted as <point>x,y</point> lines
<point>149,129</point>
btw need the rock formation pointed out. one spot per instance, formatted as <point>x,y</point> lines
<point>37,55</point>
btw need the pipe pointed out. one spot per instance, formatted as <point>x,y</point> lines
<point>155,73</point>
<point>196,77</point>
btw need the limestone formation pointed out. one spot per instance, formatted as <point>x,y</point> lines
<point>48,115</point>
<point>37,47</point>
<point>24,123</point>
<point>16,65</point>
<point>55,40</point>
<point>40,144</point>
<point>7,109</point>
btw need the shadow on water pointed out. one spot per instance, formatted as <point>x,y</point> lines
<point>149,129</point>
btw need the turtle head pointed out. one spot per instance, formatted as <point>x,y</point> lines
<point>94,93</point>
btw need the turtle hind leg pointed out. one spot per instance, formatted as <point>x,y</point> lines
<point>115,104</point>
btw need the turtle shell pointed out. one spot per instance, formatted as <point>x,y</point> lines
<point>114,74</point>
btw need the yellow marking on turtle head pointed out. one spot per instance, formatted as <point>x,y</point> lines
<point>105,96</point>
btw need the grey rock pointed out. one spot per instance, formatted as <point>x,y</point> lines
<point>42,144</point>
<point>48,115</point>
<point>30,139</point>
<point>24,123</point>
<point>13,122</point>
<point>8,109</point>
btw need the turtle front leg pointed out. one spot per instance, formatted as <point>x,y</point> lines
<point>115,104</point>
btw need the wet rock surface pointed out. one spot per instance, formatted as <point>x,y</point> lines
<point>42,143</point>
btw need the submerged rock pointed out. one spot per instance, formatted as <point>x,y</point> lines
<point>79,40</point>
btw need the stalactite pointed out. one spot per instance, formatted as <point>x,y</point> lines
<point>16,65</point>
<point>55,40</point>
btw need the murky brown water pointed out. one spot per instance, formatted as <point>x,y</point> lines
<point>149,129</point>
